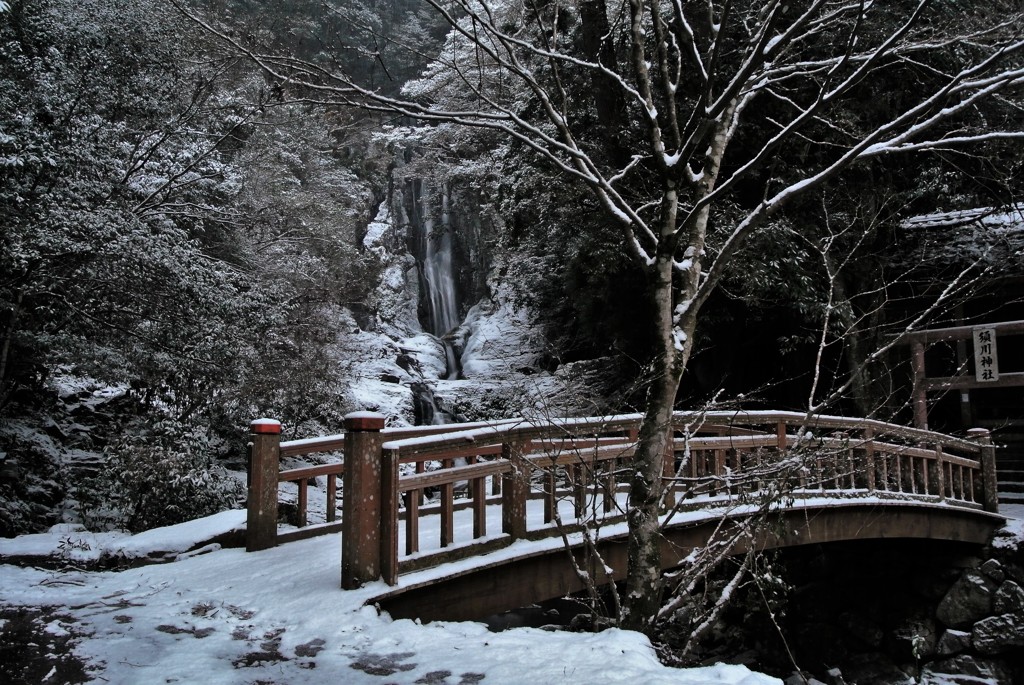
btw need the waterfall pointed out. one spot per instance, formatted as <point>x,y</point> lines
<point>438,277</point>
<point>438,287</point>
<point>428,411</point>
<point>452,363</point>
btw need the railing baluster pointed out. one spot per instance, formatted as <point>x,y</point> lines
<point>332,497</point>
<point>851,465</point>
<point>668,469</point>
<point>447,508</point>
<point>412,521</point>
<point>579,488</point>
<point>550,494</point>
<point>478,491</point>
<point>869,457</point>
<point>302,502</point>
<point>610,486</point>
<point>885,471</point>
<point>837,469</point>
<point>421,467</point>
<point>924,476</point>
<point>722,484</point>
<point>940,471</point>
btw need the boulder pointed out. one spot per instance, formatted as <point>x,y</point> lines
<point>997,634</point>
<point>994,570</point>
<point>875,668</point>
<point>953,642</point>
<point>1009,598</point>
<point>969,600</point>
<point>965,669</point>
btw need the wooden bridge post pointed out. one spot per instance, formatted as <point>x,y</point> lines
<point>920,391</point>
<point>361,503</point>
<point>264,464</point>
<point>989,480</point>
<point>515,490</point>
<point>389,503</point>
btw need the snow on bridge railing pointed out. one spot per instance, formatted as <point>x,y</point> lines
<point>266,450</point>
<point>522,479</point>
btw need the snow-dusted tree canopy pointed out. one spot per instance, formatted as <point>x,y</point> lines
<point>698,127</point>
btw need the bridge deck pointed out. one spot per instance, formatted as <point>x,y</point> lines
<point>528,572</point>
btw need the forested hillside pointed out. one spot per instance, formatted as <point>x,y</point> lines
<point>200,227</point>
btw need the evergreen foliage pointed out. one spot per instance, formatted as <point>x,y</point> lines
<point>172,229</point>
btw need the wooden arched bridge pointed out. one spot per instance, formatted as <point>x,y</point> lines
<point>493,508</point>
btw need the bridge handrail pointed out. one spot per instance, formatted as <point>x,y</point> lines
<point>456,436</point>
<point>932,472</point>
<point>714,454</point>
<point>336,442</point>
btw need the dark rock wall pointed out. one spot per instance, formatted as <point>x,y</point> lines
<point>889,611</point>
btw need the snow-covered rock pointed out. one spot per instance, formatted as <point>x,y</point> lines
<point>953,642</point>
<point>997,634</point>
<point>965,669</point>
<point>969,600</point>
<point>72,544</point>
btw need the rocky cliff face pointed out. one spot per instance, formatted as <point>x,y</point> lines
<point>446,337</point>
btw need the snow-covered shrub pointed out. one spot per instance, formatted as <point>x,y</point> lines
<point>162,477</point>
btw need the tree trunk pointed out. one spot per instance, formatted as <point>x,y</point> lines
<point>643,574</point>
<point>597,47</point>
<point>5,348</point>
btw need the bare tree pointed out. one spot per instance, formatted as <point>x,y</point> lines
<point>692,101</point>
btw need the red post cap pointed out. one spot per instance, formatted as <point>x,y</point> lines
<point>364,421</point>
<point>265,427</point>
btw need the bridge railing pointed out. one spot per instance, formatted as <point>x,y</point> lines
<point>267,450</point>
<point>549,477</point>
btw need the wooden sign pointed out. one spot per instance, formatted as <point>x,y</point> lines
<point>986,360</point>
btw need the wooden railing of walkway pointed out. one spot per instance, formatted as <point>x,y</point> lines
<point>575,470</point>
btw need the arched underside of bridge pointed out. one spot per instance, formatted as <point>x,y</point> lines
<point>511,583</point>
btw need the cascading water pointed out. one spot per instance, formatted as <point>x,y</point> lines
<point>438,278</point>
<point>439,295</point>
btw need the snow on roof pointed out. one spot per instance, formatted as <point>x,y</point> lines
<point>996,218</point>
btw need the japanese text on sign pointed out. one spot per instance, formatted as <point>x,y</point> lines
<point>986,361</point>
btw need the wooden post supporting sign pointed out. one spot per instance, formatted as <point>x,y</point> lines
<point>989,484</point>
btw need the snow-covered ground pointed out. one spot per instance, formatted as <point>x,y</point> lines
<point>225,616</point>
